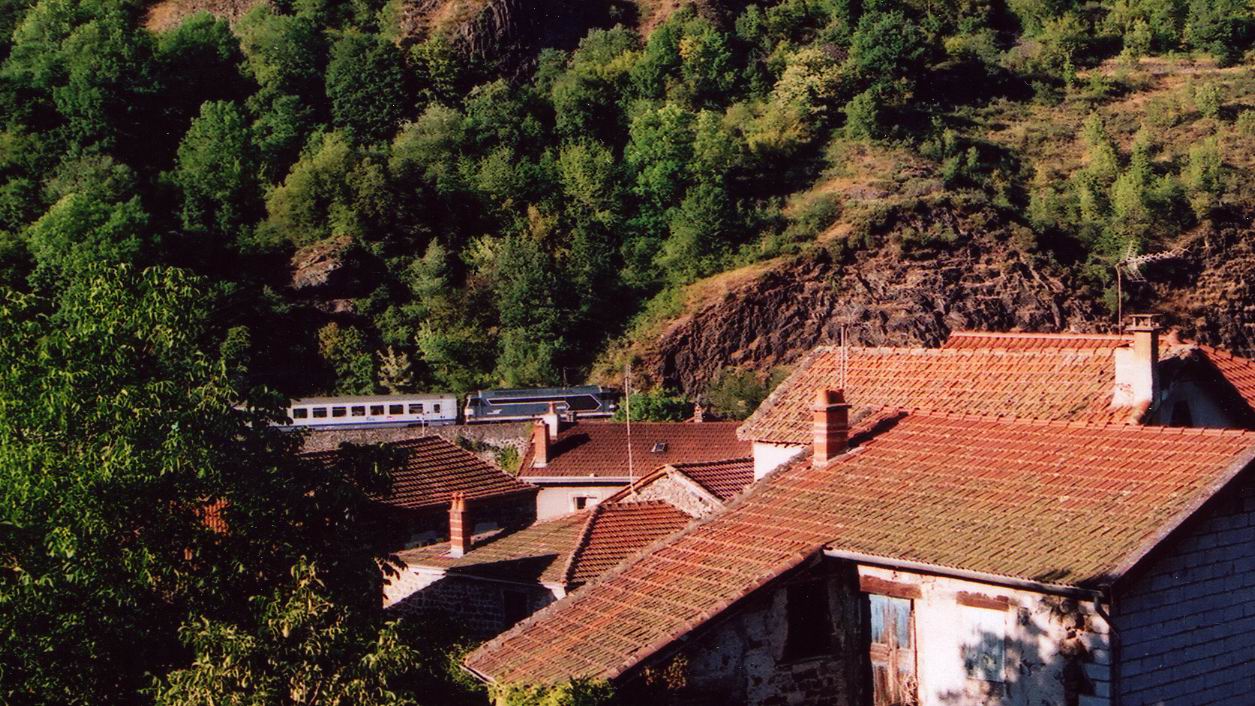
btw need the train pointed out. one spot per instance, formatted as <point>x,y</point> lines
<point>521,405</point>
<point>436,409</point>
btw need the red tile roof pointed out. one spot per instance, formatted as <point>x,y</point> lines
<point>724,479</point>
<point>1014,341</point>
<point>1049,384</point>
<point>1239,372</point>
<point>618,530</point>
<point>539,552</point>
<point>431,469</point>
<point>568,550</point>
<point>1058,503</point>
<point>599,449</point>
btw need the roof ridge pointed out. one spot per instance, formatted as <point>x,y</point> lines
<point>581,543</point>
<point>1036,334</point>
<point>730,459</point>
<point>1063,423</point>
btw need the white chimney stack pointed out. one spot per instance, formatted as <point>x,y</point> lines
<point>1137,366</point>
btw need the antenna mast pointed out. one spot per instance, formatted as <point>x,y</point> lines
<point>627,401</point>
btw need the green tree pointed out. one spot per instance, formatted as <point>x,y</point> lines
<point>367,86</point>
<point>306,649</point>
<point>1204,176</point>
<point>1222,28</point>
<point>346,352</point>
<point>119,439</point>
<point>887,54</point>
<point>216,170</point>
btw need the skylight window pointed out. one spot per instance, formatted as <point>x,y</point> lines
<point>659,447</point>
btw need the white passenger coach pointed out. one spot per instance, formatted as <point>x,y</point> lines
<point>374,410</point>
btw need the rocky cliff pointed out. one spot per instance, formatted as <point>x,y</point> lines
<point>911,289</point>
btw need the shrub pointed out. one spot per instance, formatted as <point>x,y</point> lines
<point>1208,98</point>
<point>658,405</point>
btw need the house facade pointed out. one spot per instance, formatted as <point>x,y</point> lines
<point>488,581</point>
<point>917,557</point>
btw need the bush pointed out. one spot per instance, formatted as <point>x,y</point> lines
<point>1208,98</point>
<point>659,405</point>
<point>735,392</point>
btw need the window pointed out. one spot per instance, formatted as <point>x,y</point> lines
<point>396,409</point>
<point>300,413</point>
<point>984,643</point>
<point>809,623</point>
<point>376,409</point>
<point>513,606</point>
<point>339,411</point>
<point>435,408</point>
<point>891,644</point>
<point>583,502</point>
<point>659,447</point>
<point>358,411</point>
<point>320,413</point>
<point>416,409</point>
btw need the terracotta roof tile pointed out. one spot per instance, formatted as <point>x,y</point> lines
<point>724,479</point>
<point>1240,372</point>
<point>599,449</point>
<point>539,552</point>
<point>1016,341</point>
<point>1052,384</point>
<point>432,469</point>
<point>1059,503</point>
<point>618,530</point>
<point>569,550</point>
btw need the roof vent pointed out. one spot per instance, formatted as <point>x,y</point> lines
<point>659,447</point>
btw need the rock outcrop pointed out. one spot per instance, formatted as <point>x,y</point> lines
<point>901,292</point>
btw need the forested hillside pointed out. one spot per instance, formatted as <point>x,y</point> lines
<point>383,197</point>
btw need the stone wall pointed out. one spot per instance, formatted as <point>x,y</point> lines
<point>1187,619</point>
<point>476,605</point>
<point>1051,648</point>
<point>740,660</point>
<point>679,493</point>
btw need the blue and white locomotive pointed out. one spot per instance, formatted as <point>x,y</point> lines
<point>522,405</point>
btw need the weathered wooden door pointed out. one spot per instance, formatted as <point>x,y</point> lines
<point>892,651</point>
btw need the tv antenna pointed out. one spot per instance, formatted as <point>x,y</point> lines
<point>1131,265</point>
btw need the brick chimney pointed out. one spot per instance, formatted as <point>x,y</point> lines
<point>1137,367</point>
<point>540,444</point>
<point>459,526</point>
<point>831,427</point>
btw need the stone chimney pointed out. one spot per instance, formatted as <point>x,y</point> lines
<point>552,421</point>
<point>699,412</point>
<point>459,526</point>
<point>540,444</point>
<point>832,426</point>
<point>1137,367</point>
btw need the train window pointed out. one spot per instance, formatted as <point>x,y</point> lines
<point>435,408</point>
<point>339,411</point>
<point>396,409</point>
<point>300,413</point>
<point>416,409</point>
<point>376,409</point>
<point>320,413</point>
<point>358,411</point>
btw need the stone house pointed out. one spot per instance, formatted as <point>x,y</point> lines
<point>929,557</point>
<point>489,581</point>
<point>424,474</point>
<point>579,464</point>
